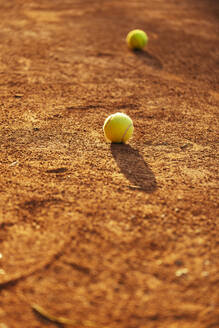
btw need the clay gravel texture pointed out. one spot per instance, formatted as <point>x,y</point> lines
<point>122,236</point>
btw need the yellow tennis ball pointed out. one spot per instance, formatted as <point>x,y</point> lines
<point>137,39</point>
<point>118,128</point>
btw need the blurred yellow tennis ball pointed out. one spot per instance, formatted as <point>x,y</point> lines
<point>137,39</point>
<point>118,128</point>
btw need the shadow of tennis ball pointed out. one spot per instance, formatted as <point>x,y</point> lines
<point>135,169</point>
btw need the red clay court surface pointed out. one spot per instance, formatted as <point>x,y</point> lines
<point>117,236</point>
